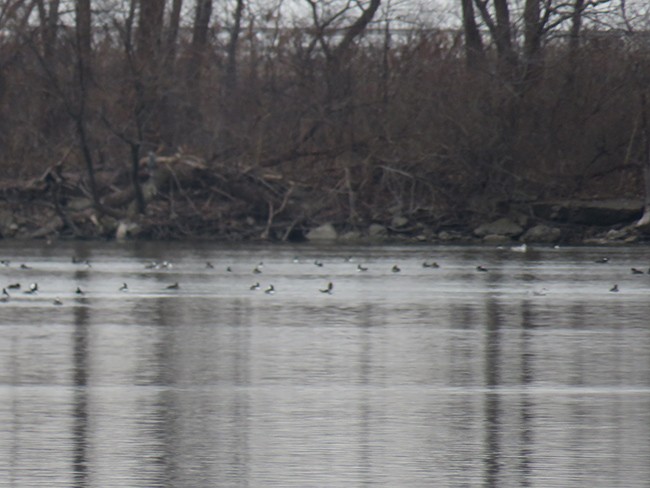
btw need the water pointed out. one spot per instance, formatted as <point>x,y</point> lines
<point>530,374</point>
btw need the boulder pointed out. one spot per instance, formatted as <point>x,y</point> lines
<point>325,232</point>
<point>543,234</point>
<point>590,212</point>
<point>377,230</point>
<point>500,227</point>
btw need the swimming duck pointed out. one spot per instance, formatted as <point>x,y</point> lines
<point>328,290</point>
<point>270,290</point>
<point>396,269</point>
<point>256,286</point>
<point>602,260</point>
<point>318,263</point>
<point>79,291</point>
<point>57,301</point>
<point>614,288</point>
<point>24,266</point>
<point>257,270</point>
<point>636,271</point>
<point>14,286</point>
<point>209,265</point>
<point>481,268</point>
<point>5,293</point>
<point>124,287</point>
<point>175,286</point>
<point>361,268</point>
<point>33,288</point>
<point>432,264</point>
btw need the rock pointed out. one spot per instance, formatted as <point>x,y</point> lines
<point>127,229</point>
<point>590,212</point>
<point>542,234</point>
<point>325,232</point>
<point>399,221</point>
<point>496,239</point>
<point>501,227</point>
<point>377,230</point>
<point>351,235</point>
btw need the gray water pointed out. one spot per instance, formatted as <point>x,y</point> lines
<point>530,374</point>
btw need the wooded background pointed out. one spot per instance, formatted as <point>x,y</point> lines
<point>366,103</point>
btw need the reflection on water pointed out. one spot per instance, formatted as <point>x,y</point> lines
<point>427,377</point>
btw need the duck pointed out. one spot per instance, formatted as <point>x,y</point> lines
<point>257,270</point>
<point>124,287</point>
<point>318,263</point>
<point>270,290</point>
<point>24,266</point>
<point>602,260</point>
<point>255,286</point>
<point>14,286</point>
<point>57,301</point>
<point>432,264</point>
<point>175,286</point>
<point>33,288</point>
<point>209,265</point>
<point>395,269</point>
<point>481,268</point>
<point>5,296</point>
<point>614,288</point>
<point>79,291</point>
<point>636,271</point>
<point>361,268</point>
<point>328,289</point>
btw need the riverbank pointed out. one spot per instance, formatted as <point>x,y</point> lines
<point>187,200</point>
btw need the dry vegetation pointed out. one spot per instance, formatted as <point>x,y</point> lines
<point>299,126</point>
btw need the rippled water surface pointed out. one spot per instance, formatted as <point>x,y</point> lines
<point>529,374</point>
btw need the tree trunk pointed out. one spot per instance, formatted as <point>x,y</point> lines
<point>474,50</point>
<point>231,51</point>
<point>644,223</point>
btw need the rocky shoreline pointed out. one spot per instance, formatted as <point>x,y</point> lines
<point>185,200</point>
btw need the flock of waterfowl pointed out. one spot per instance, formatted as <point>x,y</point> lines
<point>33,288</point>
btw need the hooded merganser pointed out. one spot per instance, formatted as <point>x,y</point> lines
<point>328,290</point>
<point>614,288</point>
<point>481,268</point>
<point>395,269</point>
<point>175,286</point>
<point>14,286</point>
<point>270,290</point>
<point>124,287</point>
<point>79,291</point>
<point>361,268</point>
<point>256,286</point>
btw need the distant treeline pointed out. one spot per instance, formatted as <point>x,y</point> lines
<point>431,123</point>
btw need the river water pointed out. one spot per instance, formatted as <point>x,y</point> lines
<point>532,373</point>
